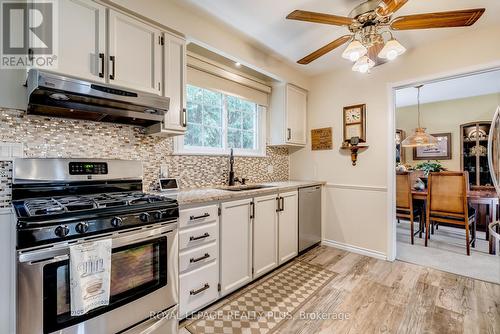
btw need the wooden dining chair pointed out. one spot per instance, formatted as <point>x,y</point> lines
<point>447,203</point>
<point>404,202</point>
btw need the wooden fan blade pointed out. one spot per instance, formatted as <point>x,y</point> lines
<point>302,15</point>
<point>459,18</point>
<point>324,50</point>
<point>389,7</point>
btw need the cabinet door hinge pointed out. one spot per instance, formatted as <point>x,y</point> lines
<point>218,287</point>
<point>219,211</point>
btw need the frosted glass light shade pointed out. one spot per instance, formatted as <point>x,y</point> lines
<point>391,50</point>
<point>363,65</point>
<point>354,51</point>
<point>419,138</point>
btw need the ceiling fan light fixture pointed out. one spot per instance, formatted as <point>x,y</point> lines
<point>363,65</point>
<point>391,50</point>
<point>354,51</point>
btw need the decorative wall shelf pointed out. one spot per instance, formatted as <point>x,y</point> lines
<point>354,150</point>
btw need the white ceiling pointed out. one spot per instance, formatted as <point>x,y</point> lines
<point>264,21</point>
<point>452,89</point>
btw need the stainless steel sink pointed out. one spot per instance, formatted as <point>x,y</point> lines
<point>246,187</point>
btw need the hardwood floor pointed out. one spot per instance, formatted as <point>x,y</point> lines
<point>374,296</point>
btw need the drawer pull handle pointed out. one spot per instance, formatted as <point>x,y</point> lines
<point>200,290</point>
<point>205,215</point>
<point>205,235</point>
<point>193,260</point>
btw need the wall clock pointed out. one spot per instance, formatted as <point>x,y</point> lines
<point>355,122</point>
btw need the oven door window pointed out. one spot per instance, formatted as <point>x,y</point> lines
<point>136,270</point>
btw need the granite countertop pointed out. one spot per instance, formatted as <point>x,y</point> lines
<point>214,194</point>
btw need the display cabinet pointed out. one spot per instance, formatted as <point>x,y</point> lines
<point>474,153</point>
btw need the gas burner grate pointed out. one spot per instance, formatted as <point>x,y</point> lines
<point>43,207</point>
<point>56,205</point>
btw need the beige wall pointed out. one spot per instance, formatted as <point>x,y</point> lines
<point>446,117</point>
<point>357,201</point>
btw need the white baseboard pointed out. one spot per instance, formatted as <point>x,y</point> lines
<point>354,249</point>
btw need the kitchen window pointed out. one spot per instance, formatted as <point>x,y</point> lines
<point>217,122</point>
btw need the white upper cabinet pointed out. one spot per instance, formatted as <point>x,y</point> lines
<point>82,39</point>
<point>175,83</point>
<point>288,226</point>
<point>235,245</point>
<point>265,235</point>
<point>288,115</point>
<point>135,53</point>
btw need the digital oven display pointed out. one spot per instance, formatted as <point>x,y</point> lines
<point>88,168</point>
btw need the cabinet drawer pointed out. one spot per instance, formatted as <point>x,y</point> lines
<point>195,216</point>
<point>198,288</point>
<point>197,257</point>
<point>198,235</point>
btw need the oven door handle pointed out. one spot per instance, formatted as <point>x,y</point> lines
<point>44,262</point>
<point>43,257</point>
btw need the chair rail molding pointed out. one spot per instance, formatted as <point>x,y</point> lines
<point>356,187</point>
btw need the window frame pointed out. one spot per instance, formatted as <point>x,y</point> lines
<point>261,133</point>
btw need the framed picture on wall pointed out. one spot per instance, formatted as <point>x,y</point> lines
<point>442,151</point>
<point>355,122</point>
<point>400,151</point>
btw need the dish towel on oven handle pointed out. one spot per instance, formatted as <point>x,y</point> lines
<point>90,275</point>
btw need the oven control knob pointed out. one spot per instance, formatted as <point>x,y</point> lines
<point>82,227</point>
<point>116,222</point>
<point>156,215</point>
<point>61,231</point>
<point>144,217</point>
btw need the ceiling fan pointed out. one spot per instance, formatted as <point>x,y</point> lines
<point>369,21</point>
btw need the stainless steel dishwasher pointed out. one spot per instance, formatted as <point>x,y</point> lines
<point>309,217</point>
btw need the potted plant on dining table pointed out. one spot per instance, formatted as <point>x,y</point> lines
<point>429,167</point>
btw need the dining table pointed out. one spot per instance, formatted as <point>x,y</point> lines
<point>484,201</point>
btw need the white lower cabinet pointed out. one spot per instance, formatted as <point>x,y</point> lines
<point>191,259</point>
<point>288,220</point>
<point>198,288</point>
<point>198,235</point>
<point>265,235</point>
<point>198,258</point>
<point>219,254</point>
<point>235,245</point>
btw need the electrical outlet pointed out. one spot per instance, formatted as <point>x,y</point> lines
<point>270,169</point>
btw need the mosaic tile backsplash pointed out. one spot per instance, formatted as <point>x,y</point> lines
<point>56,137</point>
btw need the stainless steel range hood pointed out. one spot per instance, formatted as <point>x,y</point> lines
<point>54,95</point>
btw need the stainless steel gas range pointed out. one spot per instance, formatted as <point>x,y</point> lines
<point>61,202</point>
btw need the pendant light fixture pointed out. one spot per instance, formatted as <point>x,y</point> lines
<point>420,138</point>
